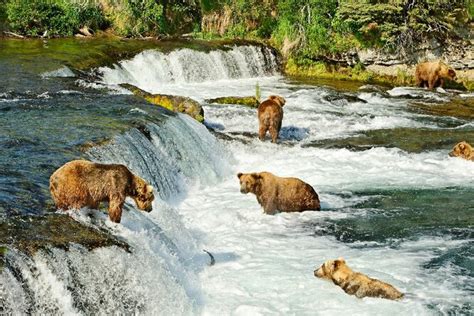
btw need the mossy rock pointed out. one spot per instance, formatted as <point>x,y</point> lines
<point>171,102</point>
<point>247,101</point>
<point>29,234</point>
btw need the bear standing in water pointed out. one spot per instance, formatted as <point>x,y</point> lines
<point>81,183</point>
<point>432,74</point>
<point>270,116</point>
<point>276,193</point>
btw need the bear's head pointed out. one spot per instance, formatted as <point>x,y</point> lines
<point>462,149</point>
<point>447,72</point>
<point>142,193</point>
<point>249,182</point>
<point>278,100</point>
<point>327,269</point>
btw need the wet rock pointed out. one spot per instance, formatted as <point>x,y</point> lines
<point>29,234</point>
<point>247,101</point>
<point>171,102</point>
<point>342,99</point>
<point>457,107</point>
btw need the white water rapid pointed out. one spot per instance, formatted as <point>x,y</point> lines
<point>264,264</point>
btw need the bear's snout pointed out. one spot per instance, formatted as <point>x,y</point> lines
<point>318,273</point>
<point>243,188</point>
<point>451,154</point>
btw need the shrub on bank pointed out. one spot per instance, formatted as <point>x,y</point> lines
<point>56,17</point>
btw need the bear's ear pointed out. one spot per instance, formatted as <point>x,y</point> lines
<point>451,73</point>
<point>149,188</point>
<point>337,263</point>
<point>462,145</point>
<point>239,174</point>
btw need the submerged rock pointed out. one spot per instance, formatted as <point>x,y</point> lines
<point>342,99</point>
<point>173,103</point>
<point>29,234</point>
<point>456,107</point>
<point>247,101</point>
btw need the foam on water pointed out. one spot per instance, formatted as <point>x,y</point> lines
<point>264,264</point>
<point>189,66</point>
<point>62,72</point>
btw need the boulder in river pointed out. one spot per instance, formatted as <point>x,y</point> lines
<point>247,101</point>
<point>173,103</point>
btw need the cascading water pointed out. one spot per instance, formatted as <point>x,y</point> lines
<point>172,154</point>
<point>394,203</point>
<point>190,66</point>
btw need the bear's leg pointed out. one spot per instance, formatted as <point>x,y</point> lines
<point>440,82</point>
<point>262,131</point>
<point>431,83</point>
<point>270,208</point>
<point>274,133</point>
<point>419,82</point>
<point>115,208</point>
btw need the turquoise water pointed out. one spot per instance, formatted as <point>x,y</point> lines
<point>394,204</point>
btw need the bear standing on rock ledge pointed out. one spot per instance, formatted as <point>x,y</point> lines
<point>432,74</point>
<point>81,183</point>
<point>276,193</point>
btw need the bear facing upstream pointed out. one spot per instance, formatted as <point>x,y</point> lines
<point>463,150</point>
<point>355,283</point>
<point>81,183</point>
<point>432,74</point>
<point>276,193</point>
<point>270,116</point>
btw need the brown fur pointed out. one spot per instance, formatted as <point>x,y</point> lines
<point>276,193</point>
<point>463,150</point>
<point>433,73</point>
<point>355,283</point>
<point>81,183</point>
<point>270,116</point>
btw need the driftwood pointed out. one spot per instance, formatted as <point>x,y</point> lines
<point>13,34</point>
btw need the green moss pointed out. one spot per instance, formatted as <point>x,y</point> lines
<point>170,102</point>
<point>28,234</point>
<point>247,101</point>
<point>358,73</point>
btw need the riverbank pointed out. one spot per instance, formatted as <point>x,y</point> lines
<point>106,49</point>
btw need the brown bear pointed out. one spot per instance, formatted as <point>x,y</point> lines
<point>355,283</point>
<point>432,74</point>
<point>81,183</point>
<point>463,150</point>
<point>270,116</point>
<point>276,193</point>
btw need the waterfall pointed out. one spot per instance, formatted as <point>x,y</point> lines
<point>185,65</point>
<point>159,276</point>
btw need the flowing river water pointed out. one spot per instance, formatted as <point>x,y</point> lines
<point>394,204</point>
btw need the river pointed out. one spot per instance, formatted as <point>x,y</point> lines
<point>394,204</point>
